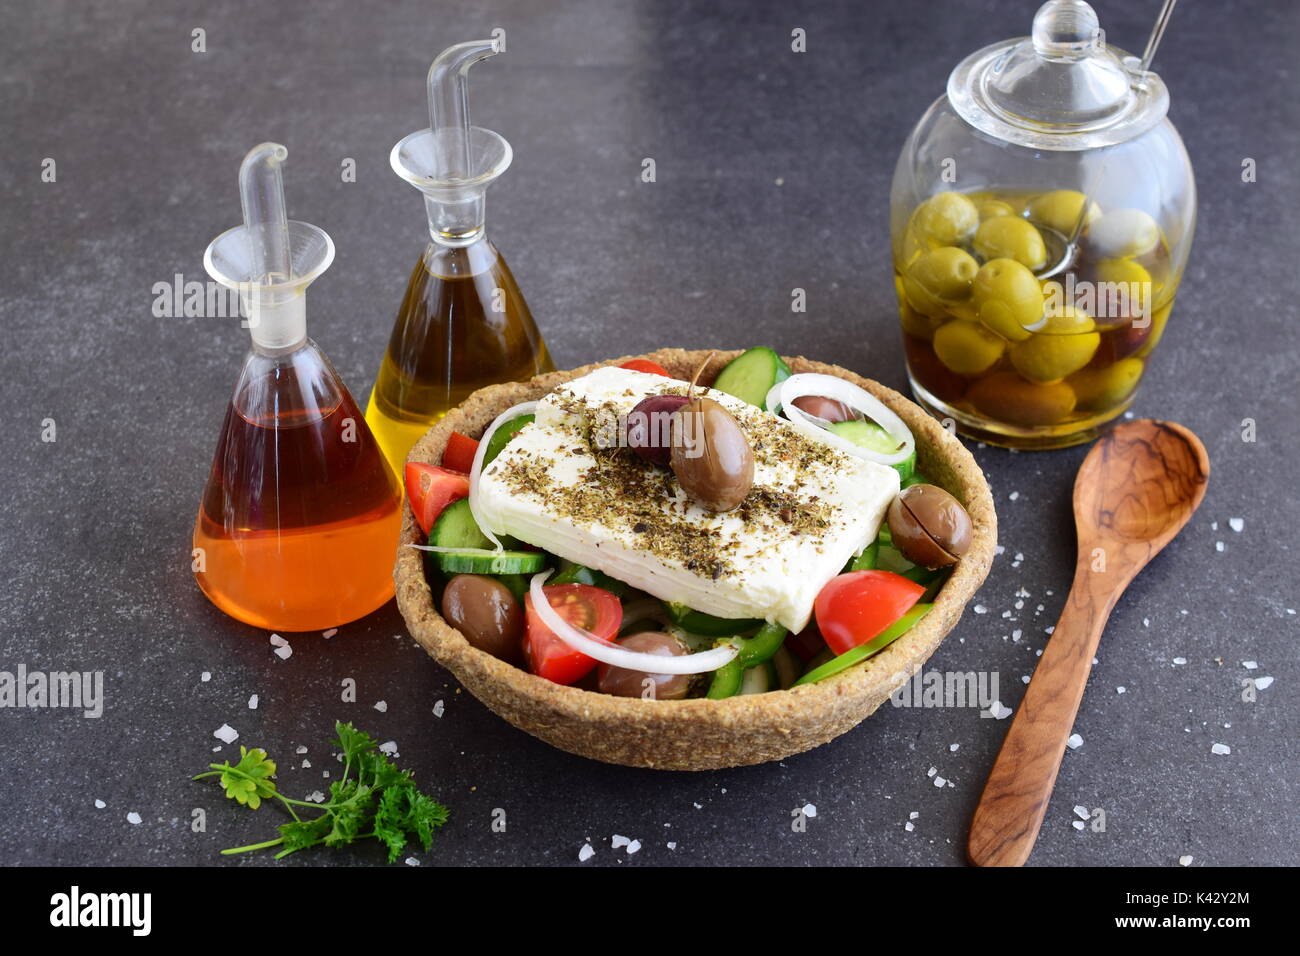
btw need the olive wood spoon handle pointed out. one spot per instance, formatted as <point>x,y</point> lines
<point>1135,491</point>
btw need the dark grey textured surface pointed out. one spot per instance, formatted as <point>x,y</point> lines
<point>773,172</point>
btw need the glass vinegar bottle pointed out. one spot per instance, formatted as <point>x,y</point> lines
<point>298,523</point>
<point>463,323</point>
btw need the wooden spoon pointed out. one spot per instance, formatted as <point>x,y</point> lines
<point>1134,492</point>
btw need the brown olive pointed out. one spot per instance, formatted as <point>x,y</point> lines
<point>929,526</point>
<point>649,427</point>
<point>622,682</point>
<point>484,610</point>
<point>827,409</point>
<point>711,456</point>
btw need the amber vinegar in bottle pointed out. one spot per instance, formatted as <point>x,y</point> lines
<point>297,528</point>
<point>463,322</point>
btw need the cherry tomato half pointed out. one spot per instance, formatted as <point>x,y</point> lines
<point>595,610</point>
<point>645,365</point>
<point>459,453</point>
<point>430,489</point>
<point>855,607</point>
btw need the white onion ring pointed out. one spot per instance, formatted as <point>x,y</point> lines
<point>523,408</point>
<point>608,653</point>
<point>780,398</point>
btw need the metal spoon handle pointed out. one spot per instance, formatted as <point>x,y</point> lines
<point>1011,809</point>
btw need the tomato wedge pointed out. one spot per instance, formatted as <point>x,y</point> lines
<point>855,607</point>
<point>430,489</point>
<point>645,365</point>
<point>595,610</point>
<point>459,453</point>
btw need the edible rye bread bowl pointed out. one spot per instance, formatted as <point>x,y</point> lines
<point>696,734</point>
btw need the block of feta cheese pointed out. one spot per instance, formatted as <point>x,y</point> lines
<point>564,484</point>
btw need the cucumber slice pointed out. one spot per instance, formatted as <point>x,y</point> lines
<point>751,375</point>
<point>697,622</point>
<point>501,437</point>
<point>497,562</point>
<point>456,528</point>
<point>872,436</point>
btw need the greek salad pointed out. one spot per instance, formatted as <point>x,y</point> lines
<point>643,536</point>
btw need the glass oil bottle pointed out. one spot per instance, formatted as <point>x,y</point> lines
<point>463,322</point>
<point>298,523</point>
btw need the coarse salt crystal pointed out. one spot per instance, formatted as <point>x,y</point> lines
<point>439,709</point>
<point>1015,635</point>
<point>980,609</point>
<point>412,861</point>
<point>671,845</point>
<point>1074,742</point>
<point>586,853</point>
<point>1218,546</point>
<point>226,734</point>
<point>252,702</point>
<point>306,765</point>
<point>1220,749</point>
<point>1236,524</point>
<point>205,676</point>
<point>381,706</point>
<point>1185,860</point>
<point>1250,665</point>
<point>617,841</point>
<point>1006,613</point>
<point>315,797</point>
<point>278,641</point>
<point>330,633</point>
<point>954,747</point>
<point>1019,556</point>
<point>300,749</point>
<point>1050,629</point>
<point>1180,660</point>
<point>1146,622</point>
<point>932,771</point>
<point>809,810</point>
<point>1263,683</point>
<point>939,781</point>
<point>284,653</point>
<point>100,804</point>
<point>633,847</point>
<point>1121,689</point>
<point>1081,811</point>
<point>909,826</point>
<point>1079,824</point>
<point>1014,495</point>
<point>914,814</point>
<point>133,818</point>
<point>390,748</point>
<point>998,710</point>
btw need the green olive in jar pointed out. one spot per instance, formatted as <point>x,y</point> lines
<point>1007,397</point>
<point>1060,210</point>
<point>1158,320</point>
<point>1134,279</point>
<point>921,299</point>
<point>946,272</point>
<point>946,219</point>
<point>991,208</point>
<point>916,323</point>
<point>1066,344</point>
<point>1099,389</point>
<point>967,348</point>
<point>1007,298</point>
<point>1010,237</point>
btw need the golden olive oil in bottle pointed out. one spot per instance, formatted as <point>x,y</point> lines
<point>463,323</point>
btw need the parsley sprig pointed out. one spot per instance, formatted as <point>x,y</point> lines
<point>372,800</point>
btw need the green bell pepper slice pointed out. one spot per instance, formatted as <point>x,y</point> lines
<point>863,651</point>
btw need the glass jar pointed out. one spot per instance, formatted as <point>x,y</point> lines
<point>1041,215</point>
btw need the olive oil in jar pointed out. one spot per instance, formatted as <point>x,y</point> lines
<point>463,324</point>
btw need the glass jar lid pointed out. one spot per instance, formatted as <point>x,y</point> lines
<point>1062,88</point>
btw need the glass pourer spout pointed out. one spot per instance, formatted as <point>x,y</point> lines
<point>271,259</point>
<point>453,162</point>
